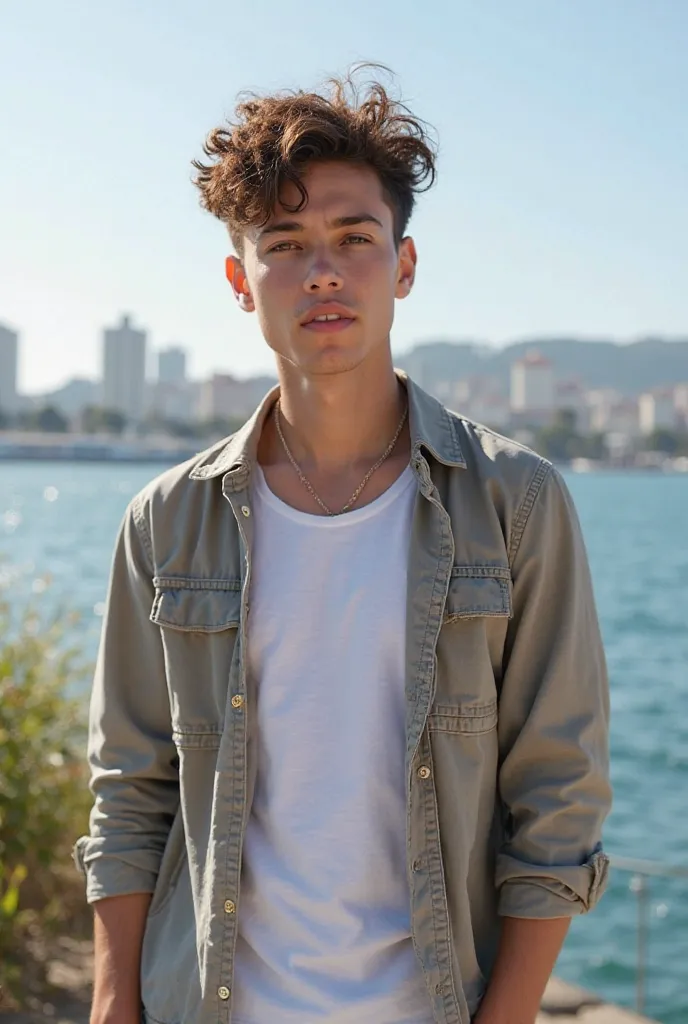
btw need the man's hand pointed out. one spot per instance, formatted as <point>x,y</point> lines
<point>528,951</point>
<point>120,923</point>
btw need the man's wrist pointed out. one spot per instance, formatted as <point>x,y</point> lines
<point>115,1008</point>
<point>115,1015</point>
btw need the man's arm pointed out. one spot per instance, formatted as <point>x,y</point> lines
<point>134,774</point>
<point>118,936</point>
<point>554,760</point>
<point>528,950</point>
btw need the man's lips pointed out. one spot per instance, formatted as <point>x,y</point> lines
<point>329,326</point>
<point>324,313</point>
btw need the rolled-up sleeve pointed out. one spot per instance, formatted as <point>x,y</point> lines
<point>132,757</point>
<point>554,717</point>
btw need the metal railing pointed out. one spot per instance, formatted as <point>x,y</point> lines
<point>642,871</point>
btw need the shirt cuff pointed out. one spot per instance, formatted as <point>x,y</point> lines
<point>113,874</point>
<point>548,891</point>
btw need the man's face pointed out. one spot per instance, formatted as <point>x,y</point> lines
<point>337,257</point>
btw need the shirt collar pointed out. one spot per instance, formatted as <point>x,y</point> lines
<point>432,428</point>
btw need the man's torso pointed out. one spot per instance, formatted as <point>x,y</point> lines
<point>325,930</point>
<point>175,705</point>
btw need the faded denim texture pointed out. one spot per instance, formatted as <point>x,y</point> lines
<point>506,726</point>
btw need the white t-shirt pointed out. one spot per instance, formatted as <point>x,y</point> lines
<point>324,908</point>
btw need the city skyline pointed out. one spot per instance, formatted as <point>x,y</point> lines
<point>169,363</point>
<point>141,386</point>
<point>560,206</point>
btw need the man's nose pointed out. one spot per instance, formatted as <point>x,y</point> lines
<point>322,276</point>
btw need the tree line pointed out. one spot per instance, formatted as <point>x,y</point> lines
<point>98,420</point>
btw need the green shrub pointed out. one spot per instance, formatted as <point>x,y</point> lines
<point>44,797</point>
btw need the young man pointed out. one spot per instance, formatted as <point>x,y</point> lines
<point>349,721</point>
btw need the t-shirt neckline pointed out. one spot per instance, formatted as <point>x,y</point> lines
<point>355,516</point>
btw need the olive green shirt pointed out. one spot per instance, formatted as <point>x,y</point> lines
<point>507,710</point>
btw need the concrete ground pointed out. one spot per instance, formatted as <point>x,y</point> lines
<point>567,1004</point>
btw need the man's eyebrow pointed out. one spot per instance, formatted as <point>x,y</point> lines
<point>280,227</point>
<point>356,218</point>
<point>287,226</point>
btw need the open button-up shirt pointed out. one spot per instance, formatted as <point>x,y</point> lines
<point>506,713</point>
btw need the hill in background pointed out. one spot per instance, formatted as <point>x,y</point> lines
<point>629,368</point>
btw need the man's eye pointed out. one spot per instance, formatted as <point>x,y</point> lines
<point>283,247</point>
<point>355,239</point>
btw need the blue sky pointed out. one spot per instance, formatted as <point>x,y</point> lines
<point>561,204</point>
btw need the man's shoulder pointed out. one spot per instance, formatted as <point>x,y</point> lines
<point>494,455</point>
<point>464,444</point>
<point>178,485</point>
<point>516,481</point>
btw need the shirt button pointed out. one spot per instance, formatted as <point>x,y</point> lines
<point>230,907</point>
<point>237,700</point>
<point>223,992</point>
<point>417,864</point>
<point>424,772</point>
<point>245,511</point>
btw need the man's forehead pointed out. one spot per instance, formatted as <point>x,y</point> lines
<point>334,189</point>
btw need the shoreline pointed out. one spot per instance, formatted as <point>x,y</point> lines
<point>29,446</point>
<point>174,456</point>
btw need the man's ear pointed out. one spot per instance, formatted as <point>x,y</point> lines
<point>406,272</point>
<point>236,275</point>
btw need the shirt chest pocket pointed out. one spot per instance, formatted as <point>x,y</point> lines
<point>470,649</point>
<point>199,625</point>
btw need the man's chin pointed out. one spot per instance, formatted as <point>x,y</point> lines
<point>331,367</point>
<point>326,360</point>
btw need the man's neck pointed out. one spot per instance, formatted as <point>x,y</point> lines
<point>340,421</point>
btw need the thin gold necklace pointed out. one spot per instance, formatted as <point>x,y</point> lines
<point>306,482</point>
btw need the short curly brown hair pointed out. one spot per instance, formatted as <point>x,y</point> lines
<point>275,137</point>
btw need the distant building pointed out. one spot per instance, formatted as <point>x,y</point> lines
<point>223,397</point>
<point>460,393</point>
<point>172,366</point>
<point>479,397</point>
<point>492,410</point>
<point>443,390</point>
<point>73,397</point>
<point>533,387</point>
<point>600,403</point>
<point>9,352</point>
<point>227,398</point>
<point>610,412</point>
<point>570,397</point>
<point>681,404</point>
<point>171,401</point>
<point>657,411</point>
<point>124,370</point>
<point>624,418</point>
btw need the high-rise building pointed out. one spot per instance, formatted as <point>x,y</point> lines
<point>124,370</point>
<point>533,384</point>
<point>657,411</point>
<point>9,347</point>
<point>681,403</point>
<point>172,366</point>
